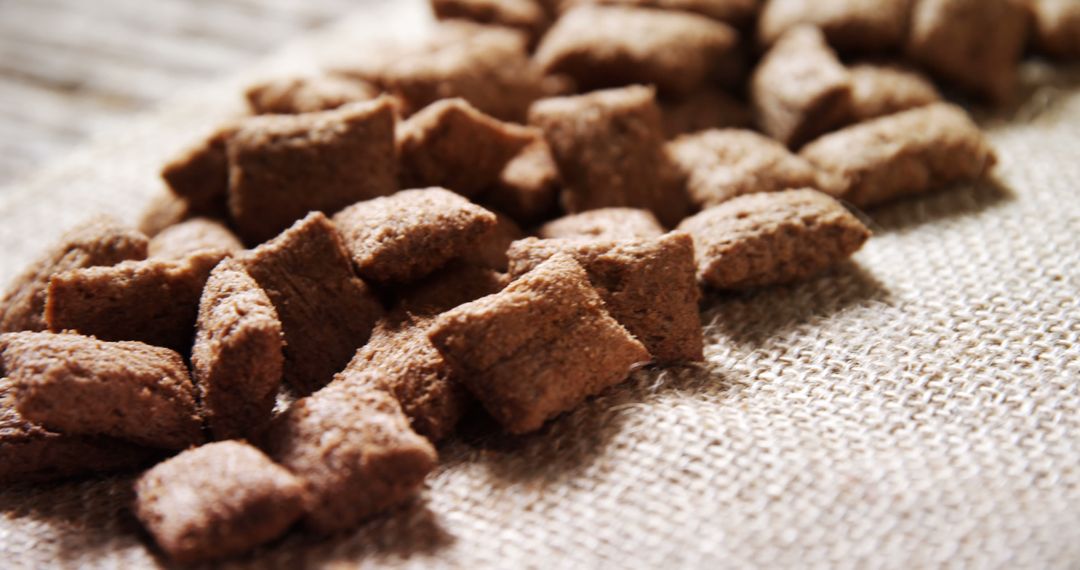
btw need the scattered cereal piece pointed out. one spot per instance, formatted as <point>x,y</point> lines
<point>490,251</point>
<point>1057,27</point>
<point>200,174</point>
<point>185,238</point>
<point>284,166</point>
<point>153,301</point>
<point>451,144</point>
<point>702,110</point>
<point>604,224</point>
<point>217,500</point>
<point>406,236</point>
<point>537,348</point>
<point>326,312</point>
<point>166,209</point>
<point>237,358</point>
<point>354,453</point>
<point>772,238</point>
<point>528,186</point>
<point>609,46</point>
<point>849,25</point>
<point>648,285</point>
<point>903,154</point>
<point>800,89</point>
<point>449,287</point>
<point>79,385</point>
<point>975,44</point>
<point>609,146</point>
<point>879,90</point>
<point>295,95</point>
<point>99,241</point>
<point>722,164</point>
<point>735,12</point>
<point>525,15</point>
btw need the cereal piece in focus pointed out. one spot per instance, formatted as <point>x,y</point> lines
<point>879,90</point>
<point>187,237</point>
<point>528,186</point>
<point>451,144</point>
<point>400,238</point>
<point>99,241</point>
<point>490,251</point>
<point>153,301</point>
<point>284,166</point>
<point>648,285</point>
<point>610,46</point>
<point>79,385</point>
<point>293,95</point>
<point>974,44</point>
<point>525,15</point>
<point>898,155</point>
<point>772,238</point>
<point>237,358</point>
<point>849,25</point>
<point>200,173</point>
<point>326,312</point>
<point>537,348</point>
<point>216,501</point>
<point>702,110</point>
<point>1057,27</point>
<point>352,449</point>
<point>800,89</point>
<point>722,164</point>
<point>604,224</point>
<point>609,146</point>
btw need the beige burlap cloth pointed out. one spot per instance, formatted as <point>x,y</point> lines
<point>918,407</point>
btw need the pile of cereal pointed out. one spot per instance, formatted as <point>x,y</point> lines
<point>335,280</point>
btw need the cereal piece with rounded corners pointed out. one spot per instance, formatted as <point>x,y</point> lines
<point>604,224</point>
<point>185,238</point>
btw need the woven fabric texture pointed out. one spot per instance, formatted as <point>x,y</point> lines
<point>917,407</point>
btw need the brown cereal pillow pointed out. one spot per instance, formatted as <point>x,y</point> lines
<point>850,25</point>
<point>525,15</point>
<point>189,236</point>
<point>604,224</point>
<point>166,209</point>
<point>879,90</point>
<point>704,109</point>
<point>528,186</point>
<point>1057,27</point>
<point>734,12</point>
<point>200,173</point>
<point>490,251</point>
<point>293,95</point>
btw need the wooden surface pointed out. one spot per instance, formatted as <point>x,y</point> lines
<point>72,68</point>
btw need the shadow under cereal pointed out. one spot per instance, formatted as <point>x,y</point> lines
<point>954,202</point>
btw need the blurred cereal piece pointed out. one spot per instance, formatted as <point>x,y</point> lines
<point>181,240</point>
<point>292,95</point>
<point>1057,27</point>
<point>528,186</point>
<point>879,90</point>
<point>704,109</point>
<point>604,224</point>
<point>849,25</point>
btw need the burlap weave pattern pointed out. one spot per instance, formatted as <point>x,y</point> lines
<point>917,407</point>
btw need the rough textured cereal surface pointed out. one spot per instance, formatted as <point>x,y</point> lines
<point>800,89</point>
<point>217,500</point>
<point>307,94</point>
<point>974,44</point>
<point>99,241</point>
<point>704,109</point>
<point>326,311</point>
<point>850,25</point>
<point>528,186</point>
<point>768,239</point>
<point>83,386</point>
<point>354,453</point>
<point>406,236</point>
<point>907,153</point>
<point>648,285</point>
<point>721,164</point>
<point>283,166</point>
<point>879,90</point>
<point>1057,27</point>
<point>153,301</point>
<point>526,15</point>
<point>537,348</point>
<point>609,146</point>
<point>237,359</point>
<point>609,46</point>
<point>604,224</point>
<point>451,144</point>
<point>185,238</point>
<point>200,174</point>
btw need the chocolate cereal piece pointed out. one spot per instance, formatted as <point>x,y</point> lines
<point>216,501</point>
<point>974,44</point>
<point>604,224</point>
<point>153,301</point>
<point>537,348</point>
<point>735,12</point>
<point>452,145</point>
<point>292,95</point>
<point>284,166</point>
<point>525,15</point>
<point>79,385</point>
<point>200,174</point>
<point>648,285</point>
<point>608,46</point>
<point>722,164</point>
<point>609,146</point>
<point>704,109</point>
<point>879,90</point>
<point>528,186</point>
<point>326,312</point>
<point>99,241</point>
<point>166,209</point>
<point>237,359</point>
<point>490,250</point>
<point>800,89</point>
<point>1057,27</point>
<point>849,25</point>
<point>354,453</point>
<point>187,237</point>
<point>406,236</point>
<point>772,238</point>
<point>907,153</point>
